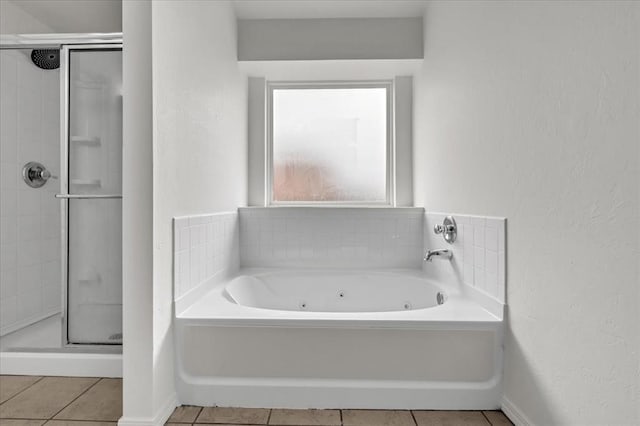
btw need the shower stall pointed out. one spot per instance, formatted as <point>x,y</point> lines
<point>61,203</point>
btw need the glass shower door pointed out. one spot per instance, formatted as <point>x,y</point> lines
<point>93,203</point>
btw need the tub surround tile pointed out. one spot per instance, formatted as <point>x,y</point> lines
<point>234,415</point>
<point>103,402</point>
<point>203,246</point>
<point>331,237</point>
<point>28,116</point>
<point>479,253</point>
<point>10,386</point>
<point>377,418</point>
<point>185,414</point>
<point>450,418</point>
<point>45,398</point>
<point>305,417</point>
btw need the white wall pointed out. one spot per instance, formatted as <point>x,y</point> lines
<point>14,20</point>
<point>530,111</point>
<point>30,287</point>
<point>200,141</point>
<point>60,16</point>
<point>137,214</point>
<point>326,39</point>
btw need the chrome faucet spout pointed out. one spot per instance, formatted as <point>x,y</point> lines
<point>440,254</point>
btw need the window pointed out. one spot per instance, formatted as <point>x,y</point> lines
<point>329,143</point>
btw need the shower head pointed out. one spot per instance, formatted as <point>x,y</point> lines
<point>47,59</point>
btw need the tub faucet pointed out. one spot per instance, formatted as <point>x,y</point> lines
<point>440,254</point>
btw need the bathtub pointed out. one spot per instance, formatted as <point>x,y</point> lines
<point>337,339</point>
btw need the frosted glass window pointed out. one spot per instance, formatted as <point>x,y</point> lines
<point>329,144</point>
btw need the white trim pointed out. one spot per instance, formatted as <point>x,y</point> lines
<point>388,85</point>
<point>514,413</point>
<point>22,41</point>
<point>61,364</point>
<point>340,69</point>
<point>256,132</point>
<point>403,139</point>
<point>159,419</point>
<point>65,120</point>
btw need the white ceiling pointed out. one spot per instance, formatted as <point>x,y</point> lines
<point>307,9</point>
<point>76,16</point>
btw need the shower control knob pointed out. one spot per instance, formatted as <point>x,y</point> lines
<point>448,229</point>
<point>35,174</point>
<point>45,174</point>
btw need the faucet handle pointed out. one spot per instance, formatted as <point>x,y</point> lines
<point>448,229</point>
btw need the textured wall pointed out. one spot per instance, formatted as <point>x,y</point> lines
<point>60,16</point>
<point>327,39</point>
<point>529,110</point>
<point>200,140</point>
<point>137,214</point>
<point>14,20</point>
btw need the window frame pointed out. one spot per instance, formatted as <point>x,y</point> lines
<point>388,85</point>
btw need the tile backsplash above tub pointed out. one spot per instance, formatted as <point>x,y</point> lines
<point>479,253</point>
<point>335,237</point>
<point>204,246</point>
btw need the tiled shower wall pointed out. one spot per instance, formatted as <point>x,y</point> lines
<point>30,287</point>
<point>204,246</point>
<point>479,253</point>
<point>339,237</point>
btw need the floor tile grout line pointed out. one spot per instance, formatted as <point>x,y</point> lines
<point>487,418</point>
<point>195,421</point>
<point>23,390</point>
<point>76,398</point>
<point>269,416</point>
<point>341,421</point>
<point>413,416</point>
<point>198,415</point>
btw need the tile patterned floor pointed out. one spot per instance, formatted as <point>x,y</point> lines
<point>81,401</point>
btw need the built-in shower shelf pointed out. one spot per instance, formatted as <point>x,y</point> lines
<point>86,182</point>
<point>85,140</point>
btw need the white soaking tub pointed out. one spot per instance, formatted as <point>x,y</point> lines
<point>333,291</point>
<point>337,339</point>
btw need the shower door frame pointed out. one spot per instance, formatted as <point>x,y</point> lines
<point>65,42</point>
<point>65,107</point>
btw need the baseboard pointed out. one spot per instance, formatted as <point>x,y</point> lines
<point>61,364</point>
<point>161,417</point>
<point>515,414</point>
